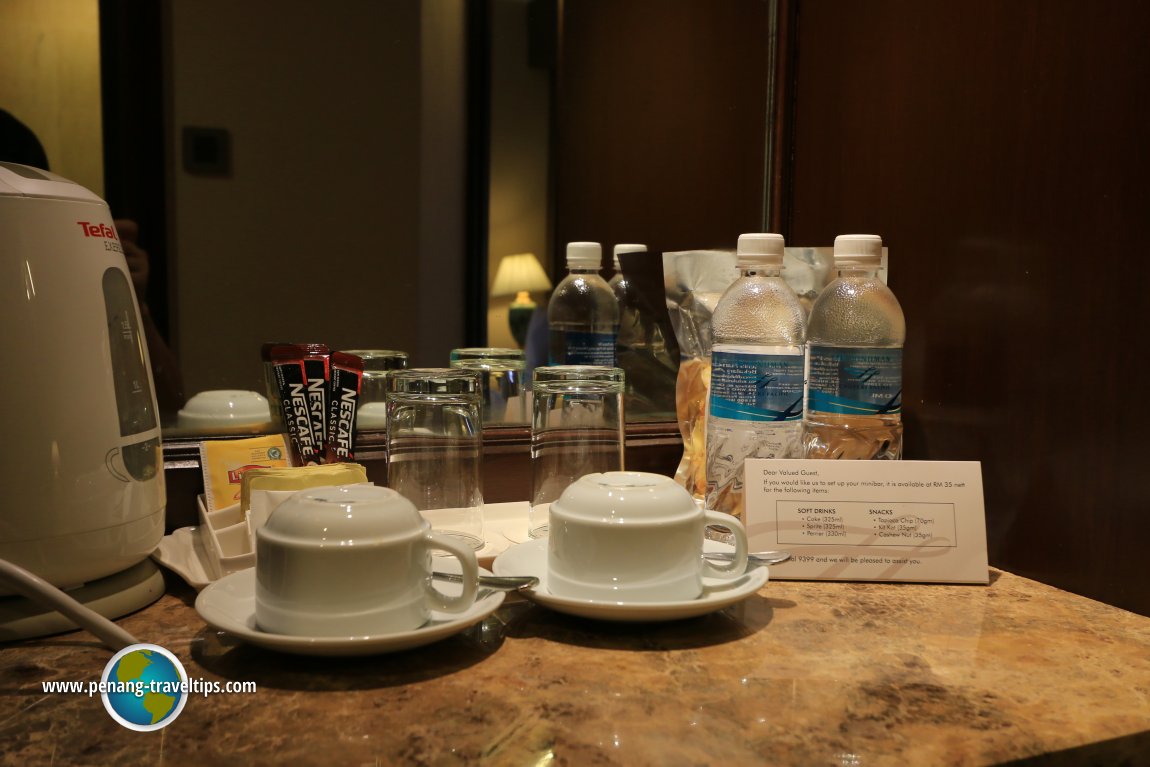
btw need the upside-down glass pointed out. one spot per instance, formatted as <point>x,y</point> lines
<point>371,414</point>
<point>502,374</point>
<point>577,423</point>
<point>435,447</point>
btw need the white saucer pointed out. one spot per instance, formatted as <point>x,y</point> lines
<point>229,604</point>
<point>531,559</point>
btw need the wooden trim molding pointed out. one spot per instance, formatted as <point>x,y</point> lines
<point>651,446</point>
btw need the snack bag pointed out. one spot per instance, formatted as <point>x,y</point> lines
<point>694,280</point>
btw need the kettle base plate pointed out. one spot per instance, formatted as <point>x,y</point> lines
<point>113,597</point>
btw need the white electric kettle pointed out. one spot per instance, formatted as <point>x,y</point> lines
<point>81,468</point>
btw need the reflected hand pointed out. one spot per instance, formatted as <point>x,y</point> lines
<point>137,258</point>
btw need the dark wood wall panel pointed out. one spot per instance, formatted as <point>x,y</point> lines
<point>660,122</point>
<point>1000,149</point>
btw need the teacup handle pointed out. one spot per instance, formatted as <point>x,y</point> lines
<point>739,565</point>
<point>470,569</point>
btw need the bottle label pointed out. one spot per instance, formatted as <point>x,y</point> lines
<point>756,387</point>
<point>590,348</point>
<point>855,381</point>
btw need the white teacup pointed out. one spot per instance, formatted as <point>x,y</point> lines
<point>223,409</point>
<point>352,560</point>
<point>627,536</point>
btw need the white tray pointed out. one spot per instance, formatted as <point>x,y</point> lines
<point>221,545</point>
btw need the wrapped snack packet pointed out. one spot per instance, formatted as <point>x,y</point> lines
<point>291,382</point>
<point>808,270</point>
<point>346,378</point>
<point>694,280</point>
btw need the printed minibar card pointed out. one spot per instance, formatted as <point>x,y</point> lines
<point>921,521</point>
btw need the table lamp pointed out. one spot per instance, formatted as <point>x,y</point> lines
<point>520,275</point>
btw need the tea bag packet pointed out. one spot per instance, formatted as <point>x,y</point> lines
<point>225,462</point>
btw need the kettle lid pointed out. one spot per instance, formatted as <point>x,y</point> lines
<point>25,181</point>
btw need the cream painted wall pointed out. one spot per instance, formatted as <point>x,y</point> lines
<point>50,81</point>
<point>342,220</point>
<point>520,108</point>
<point>442,181</point>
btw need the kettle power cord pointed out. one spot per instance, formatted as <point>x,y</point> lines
<point>37,589</point>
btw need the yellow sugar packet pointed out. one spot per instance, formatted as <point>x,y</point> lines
<point>226,461</point>
<point>264,490</point>
<point>299,478</point>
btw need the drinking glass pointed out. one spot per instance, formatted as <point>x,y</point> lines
<point>502,374</point>
<point>435,447</point>
<point>577,422</point>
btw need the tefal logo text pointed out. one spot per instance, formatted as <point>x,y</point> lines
<point>98,230</point>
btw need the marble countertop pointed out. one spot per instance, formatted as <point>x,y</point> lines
<point>801,673</point>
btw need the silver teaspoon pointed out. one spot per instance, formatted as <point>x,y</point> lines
<point>497,582</point>
<point>759,558</point>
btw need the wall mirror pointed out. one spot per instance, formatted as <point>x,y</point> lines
<point>354,177</point>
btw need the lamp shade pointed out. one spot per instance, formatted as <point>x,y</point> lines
<point>520,272</point>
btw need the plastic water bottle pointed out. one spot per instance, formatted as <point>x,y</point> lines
<point>583,314</point>
<point>854,376</point>
<point>755,405</point>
